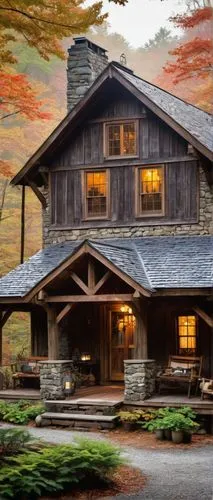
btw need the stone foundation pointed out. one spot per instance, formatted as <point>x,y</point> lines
<point>139,379</point>
<point>52,378</point>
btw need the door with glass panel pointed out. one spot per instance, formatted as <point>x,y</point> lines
<point>122,340</point>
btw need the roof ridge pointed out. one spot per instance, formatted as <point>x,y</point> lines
<point>163,90</point>
<point>109,245</point>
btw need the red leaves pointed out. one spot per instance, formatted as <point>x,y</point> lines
<point>190,21</point>
<point>18,97</point>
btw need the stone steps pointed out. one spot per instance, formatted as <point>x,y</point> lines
<point>84,406</point>
<point>78,420</point>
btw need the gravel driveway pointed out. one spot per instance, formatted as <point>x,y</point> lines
<point>171,474</point>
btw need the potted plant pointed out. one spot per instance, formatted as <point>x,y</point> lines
<point>178,424</point>
<point>155,426</point>
<point>128,419</point>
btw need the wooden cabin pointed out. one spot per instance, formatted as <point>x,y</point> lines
<point>126,189</point>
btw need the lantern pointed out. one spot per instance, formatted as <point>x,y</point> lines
<point>69,384</point>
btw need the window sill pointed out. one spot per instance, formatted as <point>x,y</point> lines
<point>121,157</point>
<point>148,215</point>
<point>88,219</point>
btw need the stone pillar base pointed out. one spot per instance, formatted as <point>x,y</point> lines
<point>139,379</point>
<point>52,378</point>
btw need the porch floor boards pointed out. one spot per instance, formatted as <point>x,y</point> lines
<point>17,394</point>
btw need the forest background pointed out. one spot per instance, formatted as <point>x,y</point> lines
<point>161,60</point>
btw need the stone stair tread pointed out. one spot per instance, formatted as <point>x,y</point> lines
<point>79,416</point>
<point>84,402</point>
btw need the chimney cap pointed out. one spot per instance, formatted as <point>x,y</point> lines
<point>96,48</point>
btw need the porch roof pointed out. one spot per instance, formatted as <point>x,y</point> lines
<point>153,262</point>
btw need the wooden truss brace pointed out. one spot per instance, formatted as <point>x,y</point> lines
<point>80,283</point>
<point>5,317</point>
<point>92,287</point>
<point>64,312</point>
<point>208,320</point>
<point>37,192</point>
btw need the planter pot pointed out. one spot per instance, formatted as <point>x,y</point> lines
<point>159,434</point>
<point>168,434</point>
<point>187,437</point>
<point>177,437</point>
<point>128,426</point>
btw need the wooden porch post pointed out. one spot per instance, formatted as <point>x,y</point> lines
<point>0,338</point>
<point>53,334</point>
<point>140,311</point>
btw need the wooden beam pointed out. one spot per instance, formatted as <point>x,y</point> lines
<point>22,224</point>
<point>184,292</point>
<point>0,338</point>
<point>38,193</point>
<point>91,274</point>
<point>208,320</point>
<point>64,312</point>
<point>101,282</point>
<point>80,283</point>
<point>125,297</point>
<point>53,334</point>
<point>5,317</point>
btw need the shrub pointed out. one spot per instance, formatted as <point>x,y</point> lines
<point>12,441</point>
<point>21,412</point>
<point>58,468</point>
<point>128,416</point>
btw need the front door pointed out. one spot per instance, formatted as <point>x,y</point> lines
<point>122,340</point>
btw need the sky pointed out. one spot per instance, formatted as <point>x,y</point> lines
<point>141,19</point>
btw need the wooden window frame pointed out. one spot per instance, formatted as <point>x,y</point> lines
<point>106,126</point>
<point>87,217</point>
<point>138,213</point>
<point>178,349</point>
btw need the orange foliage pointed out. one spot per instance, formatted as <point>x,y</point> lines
<point>193,57</point>
<point>18,97</point>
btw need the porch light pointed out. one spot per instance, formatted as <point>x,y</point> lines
<point>126,309</point>
<point>86,356</point>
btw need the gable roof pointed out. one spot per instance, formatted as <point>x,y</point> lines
<point>195,125</point>
<point>154,263</point>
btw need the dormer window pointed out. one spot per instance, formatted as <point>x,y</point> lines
<point>96,194</point>
<point>151,191</point>
<point>121,139</point>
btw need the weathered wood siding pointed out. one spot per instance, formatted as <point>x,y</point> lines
<point>157,143</point>
<point>181,195</point>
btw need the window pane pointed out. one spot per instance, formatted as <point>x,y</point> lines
<point>114,140</point>
<point>96,190</point>
<point>129,139</point>
<point>151,189</point>
<point>187,334</point>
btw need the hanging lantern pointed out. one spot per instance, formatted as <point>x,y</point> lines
<point>69,384</point>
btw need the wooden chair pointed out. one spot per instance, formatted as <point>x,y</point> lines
<point>206,387</point>
<point>181,370</point>
<point>29,370</point>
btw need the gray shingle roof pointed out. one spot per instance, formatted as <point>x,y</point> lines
<point>195,121</point>
<point>152,262</point>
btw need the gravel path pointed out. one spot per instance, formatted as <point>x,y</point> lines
<point>171,474</point>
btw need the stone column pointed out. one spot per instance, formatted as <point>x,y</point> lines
<point>139,379</point>
<point>52,378</point>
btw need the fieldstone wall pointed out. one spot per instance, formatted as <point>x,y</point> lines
<point>52,375</point>
<point>202,227</point>
<point>139,379</point>
<point>86,61</point>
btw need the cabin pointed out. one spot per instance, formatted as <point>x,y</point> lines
<point>124,279</point>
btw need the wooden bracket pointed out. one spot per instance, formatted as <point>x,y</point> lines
<point>208,320</point>
<point>5,317</point>
<point>37,192</point>
<point>80,283</point>
<point>64,312</point>
<point>101,282</point>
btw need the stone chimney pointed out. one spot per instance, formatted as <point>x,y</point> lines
<point>86,61</point>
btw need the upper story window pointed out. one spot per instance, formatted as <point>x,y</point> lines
<point>96,194</point>
<point>151,191</point>
<point>121,139</point>
<point>187,335</point>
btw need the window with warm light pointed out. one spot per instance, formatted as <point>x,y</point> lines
<point>96,185</point>
<point>151,191</point>
<point>121,139</point>
<point>187,334</point>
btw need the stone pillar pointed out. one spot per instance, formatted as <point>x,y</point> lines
<point>52,378</point>
<point>139,379</point>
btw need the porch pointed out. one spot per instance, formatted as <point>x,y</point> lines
<point>114,395</point>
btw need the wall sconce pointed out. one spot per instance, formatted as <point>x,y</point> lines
<point>126,309</point>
